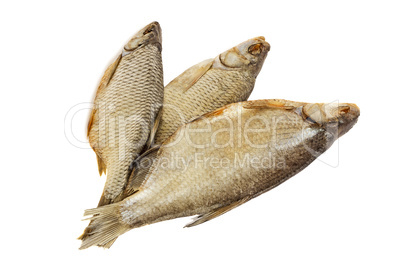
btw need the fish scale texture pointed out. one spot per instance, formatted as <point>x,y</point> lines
<point>126,109</point>
<point>213,90</point>
<point>175,190</point>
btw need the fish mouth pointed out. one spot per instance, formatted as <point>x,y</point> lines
<point>150,34</point>
<point>154,29</point>
<point>348,112</point>
<point>345,116</point>
<point>336,118</point>
<point>259,45</point>
<point>254,47</point>
<point>353,109</point>
<point>348,115</point>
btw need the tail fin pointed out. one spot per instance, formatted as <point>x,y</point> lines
<point>104,228</point>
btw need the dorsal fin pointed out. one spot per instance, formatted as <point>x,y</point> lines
<point>254,104</point>
<point>217,112</point>
<point>272,103</point>
<point>190,76</point>
<point>102,84</point>
<point>216,212</point>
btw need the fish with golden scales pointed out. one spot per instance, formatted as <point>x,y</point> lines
<point>126,105</point>
<point>225,158</point>
<point>204,87</point>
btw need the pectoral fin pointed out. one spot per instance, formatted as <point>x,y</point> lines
<point>153,130</point>
<point>190,76</point>
<point>141,168</point>
<point>216,212</point>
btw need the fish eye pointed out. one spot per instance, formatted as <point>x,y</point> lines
<point>255,49</point>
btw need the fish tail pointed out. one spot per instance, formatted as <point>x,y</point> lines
<point>105,227</point>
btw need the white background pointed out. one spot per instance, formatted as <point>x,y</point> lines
<point>345,214</point>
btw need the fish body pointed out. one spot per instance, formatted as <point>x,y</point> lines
<point>126,104</point>
<point>205,87</point>
<point>211,84</point>
<point>226,158</point>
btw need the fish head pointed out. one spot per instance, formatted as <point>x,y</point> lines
<point>335,118</point>
<point>249,55</point>
<point>150,34</point>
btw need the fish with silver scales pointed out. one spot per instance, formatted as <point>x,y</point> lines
<point>294,132</point>
<point>126,104</point>
<point>124,115</point>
